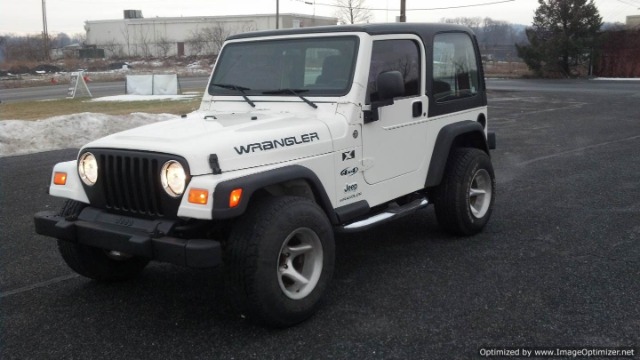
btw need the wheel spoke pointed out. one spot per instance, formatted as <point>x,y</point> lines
<point>294,275</point>
<point>300,263</point>
<point>299,249</point>
<point>476,192</point>
<point>480,193</point>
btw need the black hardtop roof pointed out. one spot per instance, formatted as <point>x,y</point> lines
<point>424,30</point>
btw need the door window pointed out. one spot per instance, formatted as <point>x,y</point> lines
<point>400,55</point>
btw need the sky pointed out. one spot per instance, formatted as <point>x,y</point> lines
<point>68,16</point>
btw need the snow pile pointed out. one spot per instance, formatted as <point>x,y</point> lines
<point>68,131</point>
<point>615,79</point>
<point>145,97</point>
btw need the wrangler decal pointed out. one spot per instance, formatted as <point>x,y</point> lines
<point>277,143</point>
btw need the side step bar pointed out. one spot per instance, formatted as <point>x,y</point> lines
<point>385,216</point>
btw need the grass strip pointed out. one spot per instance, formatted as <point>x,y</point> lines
<point>33,110</point>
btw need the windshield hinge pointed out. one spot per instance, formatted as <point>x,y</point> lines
<point>214,164</point>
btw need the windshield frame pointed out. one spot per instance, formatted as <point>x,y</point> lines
<point>351,42</point>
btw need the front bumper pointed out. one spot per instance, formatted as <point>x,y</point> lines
<point>140,237</point>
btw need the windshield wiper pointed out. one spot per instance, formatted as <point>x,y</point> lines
<point>295,92</point>
<point>238,88</point>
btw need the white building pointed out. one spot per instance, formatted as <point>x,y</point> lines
<point>196,35</point>
<point>633,21</point>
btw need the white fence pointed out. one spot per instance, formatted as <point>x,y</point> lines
<point>156,84</point>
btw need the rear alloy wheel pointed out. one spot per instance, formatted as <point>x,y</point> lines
<point>480,193</point>
<point>279,260</point>
<point>464,199</point>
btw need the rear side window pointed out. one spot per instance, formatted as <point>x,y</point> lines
<point>400,55</point>
<point>455,69</point>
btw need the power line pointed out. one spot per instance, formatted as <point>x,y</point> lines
<point>464,6</point>
<point>627,3</point>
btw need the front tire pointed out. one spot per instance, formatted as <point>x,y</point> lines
<point>279,260</point>
<point>95,263</point>
<point>464,199</point>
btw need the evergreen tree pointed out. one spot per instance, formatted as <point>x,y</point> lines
<point>561,37</point>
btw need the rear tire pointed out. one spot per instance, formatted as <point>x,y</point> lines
<point>279,260</point>
<point>95,263</point>
<point>464,199</point>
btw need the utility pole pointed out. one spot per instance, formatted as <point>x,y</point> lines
<point>403,10</point>
<point>45,32</point>
<point>277,14</point>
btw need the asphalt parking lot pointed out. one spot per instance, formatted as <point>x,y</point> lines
<point>557,266</point>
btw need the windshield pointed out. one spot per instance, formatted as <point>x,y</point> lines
<point>313,66</point>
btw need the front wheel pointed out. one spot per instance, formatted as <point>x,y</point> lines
<point>464,199</point>
<point>279,260</point>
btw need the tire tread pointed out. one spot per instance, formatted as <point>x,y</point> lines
<point>450,208</point>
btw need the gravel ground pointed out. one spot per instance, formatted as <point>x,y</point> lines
<point>557,266</point>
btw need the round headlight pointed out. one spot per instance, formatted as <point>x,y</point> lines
<point>88,168</point>
<point>173,178</point>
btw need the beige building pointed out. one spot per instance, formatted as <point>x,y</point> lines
<point>196,35</point>
<point>633,21</point>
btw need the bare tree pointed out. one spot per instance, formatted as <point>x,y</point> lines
<point>246,27</point>
<point>495,32</point>
<point>144,43</point>
<point>60,40</point>
<point>112,48</point>
<point>127,38</point>
<point>3,47</point>
<point>79,38</point>
<point>473,22</point>
<point>23,48</point>
<point>164,44</point>
<point>195,42</point>
<point>215,37</point>
<point>352,11</point>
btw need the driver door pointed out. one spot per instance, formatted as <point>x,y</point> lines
<point>394,144</point>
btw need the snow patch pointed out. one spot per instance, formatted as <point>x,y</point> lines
<point>616,79</point>
<point>143,97</point>
<point>19,137</point>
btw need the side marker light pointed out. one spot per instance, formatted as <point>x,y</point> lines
<point>198,196</point>
<point>235,197</point>
<point>60,178</point>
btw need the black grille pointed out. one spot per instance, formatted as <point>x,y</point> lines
<point>129,183</point>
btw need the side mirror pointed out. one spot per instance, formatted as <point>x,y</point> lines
<point>390,85</point>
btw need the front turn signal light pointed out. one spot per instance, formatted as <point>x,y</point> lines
<point>235,197</point>
<point>198,196</point>
<point>60,178</point>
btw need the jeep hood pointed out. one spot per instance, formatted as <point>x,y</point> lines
<point>239,140</point>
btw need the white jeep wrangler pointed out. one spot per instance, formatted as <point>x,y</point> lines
<point>300,133</point>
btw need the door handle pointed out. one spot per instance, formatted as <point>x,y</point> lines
<point>417,109</point>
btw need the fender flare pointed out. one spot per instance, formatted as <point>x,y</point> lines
<point>446,138</point>
<point>251,183</point>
